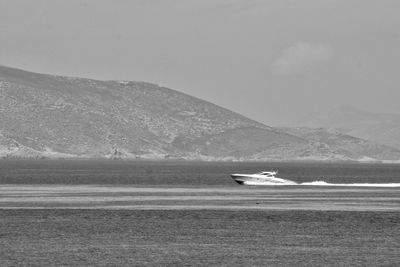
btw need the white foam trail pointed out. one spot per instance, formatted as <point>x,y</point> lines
<point>319,183</point>
<point>323,183</point>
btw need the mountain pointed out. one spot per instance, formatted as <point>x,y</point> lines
<point>330,141</point>
<point>47,115</point>
<point>59,117</point>
<point>379,128</point>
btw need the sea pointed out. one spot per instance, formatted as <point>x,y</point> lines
<point>187,213</point>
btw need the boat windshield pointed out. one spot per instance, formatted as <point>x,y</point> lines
<point>268,173</point>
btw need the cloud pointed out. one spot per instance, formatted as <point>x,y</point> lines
<point>301,57</point>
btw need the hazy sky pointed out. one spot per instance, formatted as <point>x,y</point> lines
<point>268,60</point>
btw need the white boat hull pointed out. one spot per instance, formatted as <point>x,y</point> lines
<point>255,179</point>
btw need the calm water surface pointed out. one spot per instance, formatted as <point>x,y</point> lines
<point>194,185</point>
<point>118,213</point>
<point>183,173</point>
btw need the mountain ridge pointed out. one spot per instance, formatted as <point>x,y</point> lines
<point>56,116</point>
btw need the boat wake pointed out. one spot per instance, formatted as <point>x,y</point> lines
<point>323,183</point>
<point>320,183</point>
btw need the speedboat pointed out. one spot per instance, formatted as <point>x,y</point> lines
<point>261,178</point>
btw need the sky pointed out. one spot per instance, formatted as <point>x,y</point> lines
<point>270,60</point>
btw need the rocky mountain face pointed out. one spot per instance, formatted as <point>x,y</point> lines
<point>60,117</point>
<point>47,115</point>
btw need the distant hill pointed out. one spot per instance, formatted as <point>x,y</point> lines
<point>59,117</point>
<point>379,128</point>
<point>331,142</point>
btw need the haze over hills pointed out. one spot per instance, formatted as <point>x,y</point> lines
<point>376,127</point>
<point>331,141</point>
<point>60,117</point>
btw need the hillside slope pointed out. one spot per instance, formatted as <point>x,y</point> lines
<point>55,115</point>
<point>59,117</point>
